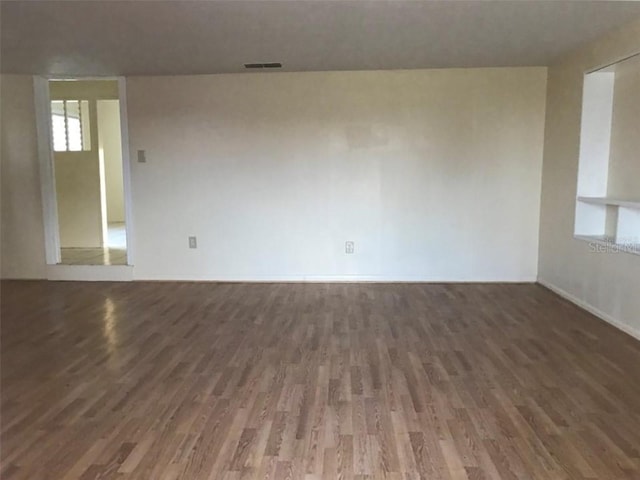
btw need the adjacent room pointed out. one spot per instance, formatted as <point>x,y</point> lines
<point>320,239</point>
<point>87,153</point>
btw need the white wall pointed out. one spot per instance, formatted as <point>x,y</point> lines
<point>624,159</point>
<point>434,174</point>
<point>606,283</point>
<point>111,150</point>
<point>22,238</point>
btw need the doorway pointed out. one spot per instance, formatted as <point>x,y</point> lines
<point>86,133</point>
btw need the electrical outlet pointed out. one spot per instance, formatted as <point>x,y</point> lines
<point>142,156</point>
<point>349,247</point>
<point>193,243</point>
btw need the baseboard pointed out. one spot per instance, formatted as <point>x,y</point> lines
<point>22,279</point>
<point>591,309</point>
<point>324,279</point>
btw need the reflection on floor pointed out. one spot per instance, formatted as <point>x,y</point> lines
<point>114,254</point>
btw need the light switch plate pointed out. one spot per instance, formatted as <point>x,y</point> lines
<point>142,156</point>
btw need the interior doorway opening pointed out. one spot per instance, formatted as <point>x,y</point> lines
<point>88,171</point>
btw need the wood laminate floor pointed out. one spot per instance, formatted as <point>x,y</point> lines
<point>310,381</point>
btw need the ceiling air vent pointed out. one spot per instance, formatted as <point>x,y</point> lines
<point>253,66</point>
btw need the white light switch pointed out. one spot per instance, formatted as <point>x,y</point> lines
<point>349,247</point>
<point>142,156</point>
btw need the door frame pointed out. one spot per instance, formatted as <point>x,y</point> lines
<point>47,166</point>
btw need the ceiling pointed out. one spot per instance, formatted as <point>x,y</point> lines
<point>188,37</point>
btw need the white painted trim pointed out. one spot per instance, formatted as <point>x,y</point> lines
<point>325,279</point>
<point>47,172</point>
<point>90,273</point>
<point>591,309</point>
<point>126,170</point>
<point>620,202</point>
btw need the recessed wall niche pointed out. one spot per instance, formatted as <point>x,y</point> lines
<point>608,199</point>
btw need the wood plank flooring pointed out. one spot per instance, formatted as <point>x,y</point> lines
<point>313,381</point>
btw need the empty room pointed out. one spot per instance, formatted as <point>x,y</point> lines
<point>320,239</point>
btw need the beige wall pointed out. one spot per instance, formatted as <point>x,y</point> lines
<point>605,282</point>
<point>22,238</point>
<point>78,174</point>
<point>624,159</point>
<point>78,199</point>
<point>111,151</point>
<point>434,174</point>
<point>74,89</point>
<point>78,191</point>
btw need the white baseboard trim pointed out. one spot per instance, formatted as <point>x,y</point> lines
<point>591,309</point>
<point>22,279</point>
<point>324,279</point>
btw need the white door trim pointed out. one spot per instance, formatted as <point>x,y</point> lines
<point>47,171</point>
<point>126,169</point>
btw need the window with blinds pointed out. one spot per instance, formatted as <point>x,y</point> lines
<point>70,125</point>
